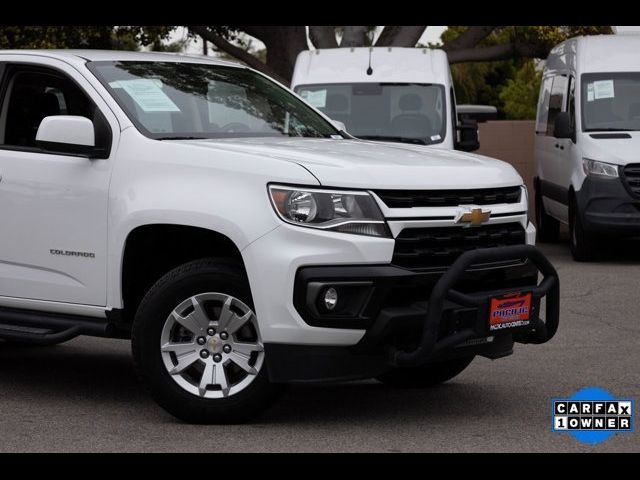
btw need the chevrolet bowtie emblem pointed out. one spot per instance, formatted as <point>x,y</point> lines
<point>475,217</point>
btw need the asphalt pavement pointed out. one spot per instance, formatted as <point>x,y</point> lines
<point>84,396</point>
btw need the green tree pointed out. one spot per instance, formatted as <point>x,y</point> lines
<point>520,94</point>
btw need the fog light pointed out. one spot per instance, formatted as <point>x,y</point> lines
<point>330,298</point>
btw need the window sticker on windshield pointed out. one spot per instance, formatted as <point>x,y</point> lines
<point>590,92</point>
<point>603,89</point>
<point>147,93</point>
<point>435,138</point>
<point>316,99</point>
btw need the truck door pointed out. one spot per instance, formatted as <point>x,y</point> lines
<point>53,207</point>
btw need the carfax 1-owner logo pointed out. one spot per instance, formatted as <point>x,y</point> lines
<point>592,415</point>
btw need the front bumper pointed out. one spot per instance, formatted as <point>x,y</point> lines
<point>607,207</point>
<point>451,318</point>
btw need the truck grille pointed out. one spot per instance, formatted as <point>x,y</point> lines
<point>631,177</point>
<point>448,198</point>
<point>428,248</point>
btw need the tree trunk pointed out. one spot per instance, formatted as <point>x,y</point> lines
<point>400,36</point>
<point>354,37</point>
<point>323,37</point>
<point>283,46</point>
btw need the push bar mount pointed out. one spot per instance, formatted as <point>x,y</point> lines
<point>539,332</point>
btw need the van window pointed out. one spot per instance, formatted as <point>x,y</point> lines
<point>543,105</point>
<point>610,101</point>
<point>571,108</point>
<point>395,112</point>
<point>557,101</point>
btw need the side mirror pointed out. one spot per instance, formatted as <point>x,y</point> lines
<point>468,138</point>
<point>70,134</point>
<point>339,125</point>
<point>562,127</point>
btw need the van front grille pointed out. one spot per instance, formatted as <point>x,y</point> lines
<point>427,248</point>
<point>631,177</point>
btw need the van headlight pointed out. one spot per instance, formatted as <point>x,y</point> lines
<point>593,168</point>
<point>333,210</point>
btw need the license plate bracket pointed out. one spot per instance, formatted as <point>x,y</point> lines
<point>509,312</point>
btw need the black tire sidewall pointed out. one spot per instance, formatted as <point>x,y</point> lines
<point>175,287</point>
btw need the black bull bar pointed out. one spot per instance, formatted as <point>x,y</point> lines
<point>538,332</point>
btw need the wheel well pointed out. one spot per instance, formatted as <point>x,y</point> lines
<point>153,250</point>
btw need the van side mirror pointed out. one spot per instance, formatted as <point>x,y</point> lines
<point>68,134</point>
<point>468,138</point>
<point>562,127</point>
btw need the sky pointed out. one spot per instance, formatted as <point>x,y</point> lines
<point>432,34</point>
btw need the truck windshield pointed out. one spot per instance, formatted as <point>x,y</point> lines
<point>611,102</point>
<point>397,112</point>
<point>180,100</point>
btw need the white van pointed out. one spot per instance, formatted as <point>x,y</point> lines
<point>587,142</point>
<point>386,93</point>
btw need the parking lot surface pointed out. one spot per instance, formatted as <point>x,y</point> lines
<point>84,396</point>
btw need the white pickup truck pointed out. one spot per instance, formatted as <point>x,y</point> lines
<point>241,241</point>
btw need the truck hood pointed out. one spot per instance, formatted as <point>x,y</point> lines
<point>364,164</point>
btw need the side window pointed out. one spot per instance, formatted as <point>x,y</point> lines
<point>543,105</point>
<point>557,101</point>
<point>454,114</point>
<point>32,94</point>
<point>571,104</point>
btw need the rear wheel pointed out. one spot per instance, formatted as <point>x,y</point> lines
<point>197,345</point>
<point>548,227</point>
<point>425,375</point>
<point>583,245</point>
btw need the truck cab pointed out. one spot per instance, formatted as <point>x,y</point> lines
<point>386,94</point>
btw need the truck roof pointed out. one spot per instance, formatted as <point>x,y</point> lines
<point>83,56</point>
<point>388,64</point>
<point>596,53</point>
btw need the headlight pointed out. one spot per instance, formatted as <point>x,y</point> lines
<point>337,211</point>
<point>592,168</point>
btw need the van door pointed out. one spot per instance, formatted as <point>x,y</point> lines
<point>53,207</point>
<point>552,154</point>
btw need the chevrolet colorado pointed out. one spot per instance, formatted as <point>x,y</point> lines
<point>241,241</point>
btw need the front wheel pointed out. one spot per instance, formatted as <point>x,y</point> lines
<point>426,375</point>
<point>583,245</point>
<point>197,346</point>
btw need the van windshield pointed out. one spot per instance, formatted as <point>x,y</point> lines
<point>180,100</point>
<point>397,112</point>
<point>610,102</point>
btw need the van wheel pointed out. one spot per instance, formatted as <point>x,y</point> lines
<point>547,226</point>
<point>197,346</point>
<point>583,245</point>
<point>426,375</point>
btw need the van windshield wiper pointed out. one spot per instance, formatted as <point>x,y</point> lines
<point>181,138</point>
<point>415,141</point>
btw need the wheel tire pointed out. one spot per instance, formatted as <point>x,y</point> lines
<point>547,226</point>
<point>183,283</point>
<point>583,245</point>
<point>425,376</point>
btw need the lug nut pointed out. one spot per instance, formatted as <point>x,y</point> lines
<point>217,358</point>
<point>204,354</point>
<point>201,340</point>
<point>224,335</point>
<point>211,332</point>
<point>226,349</point>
